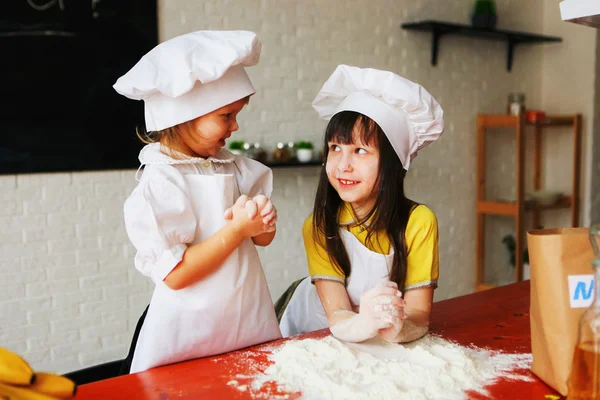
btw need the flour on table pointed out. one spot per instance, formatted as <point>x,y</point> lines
<point>429,368</point>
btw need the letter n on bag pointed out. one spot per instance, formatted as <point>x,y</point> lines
<point>581,290</point>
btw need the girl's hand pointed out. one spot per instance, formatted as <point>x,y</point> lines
<point>377,306</point>
<point>267,211</point>
<point>264,207</point>
<point>247,203</point>
<point>395,316</point>
<point>397,323</point>
<point>390,334</point>
<point>244,216</point>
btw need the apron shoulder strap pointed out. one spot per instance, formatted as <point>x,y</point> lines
<point>238,173</point>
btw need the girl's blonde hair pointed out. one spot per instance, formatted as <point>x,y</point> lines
<point>169,138</point>
<point>165,136</point>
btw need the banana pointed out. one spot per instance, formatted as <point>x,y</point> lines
<point>21,393</point>
<point>54,385</point>
<point>14,369</point>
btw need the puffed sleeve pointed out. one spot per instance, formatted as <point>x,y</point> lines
<point>320,266</point>
<point>422,250</point>
<point>159,221</point>
<point>253,178</point>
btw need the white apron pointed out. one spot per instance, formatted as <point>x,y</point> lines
<point>228,310</point>
<point>305,313</point>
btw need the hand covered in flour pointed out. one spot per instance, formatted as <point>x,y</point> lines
<point>377,309</point>
<point>382,306</point>
<point>395,317</point>
<point>245,216</point>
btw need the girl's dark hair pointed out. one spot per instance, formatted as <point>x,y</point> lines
<point>391,210</point>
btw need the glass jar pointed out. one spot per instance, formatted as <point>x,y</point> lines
<point>516,104</point>
<point>292,149</point>
<point>584,382</point>
<point>259,154</point>
<point>281,153</point>
<point>595,239</point>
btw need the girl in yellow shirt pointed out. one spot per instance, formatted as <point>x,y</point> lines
<point>372,253</point>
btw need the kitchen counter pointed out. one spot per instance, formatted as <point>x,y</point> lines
<point>497,319</point>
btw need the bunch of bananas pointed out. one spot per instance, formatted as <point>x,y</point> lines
<point>19,382</point>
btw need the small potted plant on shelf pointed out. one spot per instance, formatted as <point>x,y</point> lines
<point>511,246</point>
<point>484,14</point>
<point>304,151</point>
<point>236,147</point>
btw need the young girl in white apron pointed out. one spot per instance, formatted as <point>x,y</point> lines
<point>372,253</point>
<point>198,210</point>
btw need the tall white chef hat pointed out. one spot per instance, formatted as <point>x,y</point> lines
<point>408,115</point>
<point>191,75</point>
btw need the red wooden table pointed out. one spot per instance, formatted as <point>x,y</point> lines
<point>497,319</point>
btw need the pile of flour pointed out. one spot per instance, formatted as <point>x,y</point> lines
<point>430,368</point>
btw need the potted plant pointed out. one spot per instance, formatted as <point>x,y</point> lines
<point>304,151</point>
<point>236,147</point>
<point>484,14</point>
<point>511,246</point>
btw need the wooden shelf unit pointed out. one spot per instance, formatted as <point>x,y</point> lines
<point>520,207</point>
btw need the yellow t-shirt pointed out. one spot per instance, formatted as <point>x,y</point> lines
<point>421,243</point>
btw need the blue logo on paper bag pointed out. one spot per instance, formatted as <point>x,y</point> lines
<point>581,289</point>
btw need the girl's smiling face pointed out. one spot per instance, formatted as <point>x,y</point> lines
<point>352,170</point>
<point>206,135</point>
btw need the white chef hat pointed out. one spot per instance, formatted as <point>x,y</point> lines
<point>191,75</point>
<point>408,115</point>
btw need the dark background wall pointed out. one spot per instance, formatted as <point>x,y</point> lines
<point>60,59</point>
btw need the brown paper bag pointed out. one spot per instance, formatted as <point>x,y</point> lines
<point>554,254</point>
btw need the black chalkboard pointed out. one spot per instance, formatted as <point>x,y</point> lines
<point>58,62</point>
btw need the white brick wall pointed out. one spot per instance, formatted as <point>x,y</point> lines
<point>69,294</point>
<point>64,268</point>
<point>576,61</point>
